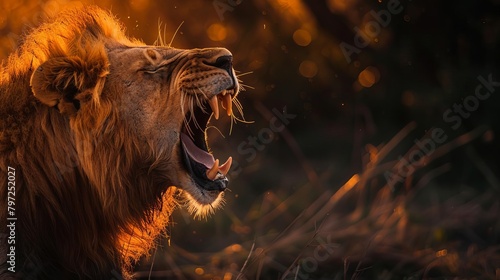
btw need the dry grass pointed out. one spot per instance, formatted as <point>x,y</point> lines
<point>366,229</point>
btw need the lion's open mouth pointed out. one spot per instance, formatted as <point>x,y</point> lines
<point>204,169</point>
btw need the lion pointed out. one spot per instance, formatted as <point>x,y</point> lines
<point>101,137</point>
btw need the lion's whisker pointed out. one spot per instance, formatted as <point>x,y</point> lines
<point>159,40</point>
<point>164,35</point>
<point>216,128</point>
<point>244,74</point>
<point>185,120</point>
<point>175,33</point>
<point>243,121</point>
<point>199,102</point>
<point>235,119</point>
<point>192,117</point>
<point>244,87</point>
<point>239,107</point>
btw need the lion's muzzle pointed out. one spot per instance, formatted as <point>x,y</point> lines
<point>217,84</point>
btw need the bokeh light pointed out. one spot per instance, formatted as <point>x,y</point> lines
<point>340,6</point>
<point>139,5</point>
<point>199,271</point>
<point>236,248</point>
<point>308,69</point>
<point>337,6</point>
<point>441,253</point>
<point>302,37</point>
<point>217,32</point>
<point>368,77</point>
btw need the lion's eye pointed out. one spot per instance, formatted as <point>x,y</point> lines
<point>148,70</point>
<point>152,70</point>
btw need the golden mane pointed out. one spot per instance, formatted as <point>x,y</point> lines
<point>112,227</point>
<point>70,33</point>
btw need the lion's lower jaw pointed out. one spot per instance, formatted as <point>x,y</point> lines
<point>202,203</point>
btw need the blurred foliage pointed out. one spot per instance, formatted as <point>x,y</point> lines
<point>427,58</point>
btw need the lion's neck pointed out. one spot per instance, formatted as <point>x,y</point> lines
<point>78,223</point>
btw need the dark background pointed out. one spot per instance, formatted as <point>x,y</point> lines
<point>424,60</point>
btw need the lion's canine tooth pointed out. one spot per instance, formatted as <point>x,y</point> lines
<point>212,172</point>
<point>226,166</point>
<point>215,107</point>
<point>223,92</point>
<point>227,103</point>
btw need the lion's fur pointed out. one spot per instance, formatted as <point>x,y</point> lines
<point>77,215</point>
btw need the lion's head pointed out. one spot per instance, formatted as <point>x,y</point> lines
<point>169,95</point>
<point>147,106</point>
<point>116,124</point>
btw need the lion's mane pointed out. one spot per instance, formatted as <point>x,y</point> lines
<point>72,223</point>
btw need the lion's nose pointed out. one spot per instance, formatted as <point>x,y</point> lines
<point>224,62</point>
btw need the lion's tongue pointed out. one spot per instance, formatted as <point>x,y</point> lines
<point>196,153</point>
<point>205,158</point>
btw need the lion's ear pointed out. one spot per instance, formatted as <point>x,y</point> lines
<point>59,80</point>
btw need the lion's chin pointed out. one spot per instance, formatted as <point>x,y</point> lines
<point>201,203</point>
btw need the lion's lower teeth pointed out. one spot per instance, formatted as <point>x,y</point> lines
<point>223,169</point>
<point>226,166</point>
<point>212,172</point>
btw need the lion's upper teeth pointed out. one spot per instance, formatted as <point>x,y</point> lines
<point>227,103</point>
<point>215,106</point>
